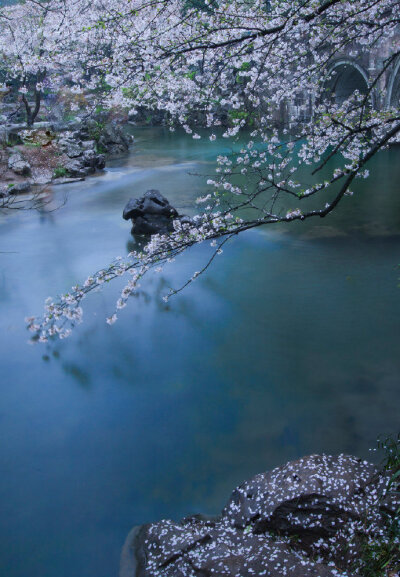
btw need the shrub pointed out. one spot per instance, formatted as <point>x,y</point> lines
<point>60,172</point>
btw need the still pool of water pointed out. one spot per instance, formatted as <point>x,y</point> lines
<point>289,345</point>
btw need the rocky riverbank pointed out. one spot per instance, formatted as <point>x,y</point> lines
<point>44,156</point>
<point>320,516</point>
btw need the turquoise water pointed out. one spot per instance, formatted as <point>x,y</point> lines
<point>288,345</point>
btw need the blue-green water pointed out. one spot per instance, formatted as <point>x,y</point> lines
<point>289,345</point>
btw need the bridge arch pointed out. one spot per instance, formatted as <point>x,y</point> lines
<point>344,78</point>
<point>393,89</point>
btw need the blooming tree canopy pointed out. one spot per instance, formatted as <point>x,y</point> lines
<point>232,66</point>
<point>27,43</point>
<point>43,48</point>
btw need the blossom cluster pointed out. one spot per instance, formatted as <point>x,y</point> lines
<point>66,312</point>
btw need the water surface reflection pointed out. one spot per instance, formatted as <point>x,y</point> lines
<point>289,346</point>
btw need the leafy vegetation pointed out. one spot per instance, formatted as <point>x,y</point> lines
<point>381,557</point>
<point>60,172</point>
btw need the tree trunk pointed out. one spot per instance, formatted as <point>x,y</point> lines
<point>38,99</point>
<point>28,110</point>
<point>32,114</point>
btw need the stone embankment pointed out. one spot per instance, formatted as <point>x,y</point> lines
<point>314,517</point>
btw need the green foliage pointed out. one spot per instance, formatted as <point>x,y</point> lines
<point>191,75</point>
<point>199,5</point>
<point>240,79</point>
<point>60,172</point>
<point>103,86</point>
<point>96,129</point>
<point>381,557</point>
<point>69,117</point>
<point>241,115</point>
<point>245,66</point>
<point>391,448</point>
<point>129,92</point>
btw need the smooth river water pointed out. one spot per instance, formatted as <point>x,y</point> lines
<point>288,345</point>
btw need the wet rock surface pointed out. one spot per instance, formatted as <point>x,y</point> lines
<point>71,147</point>
<point>306,518</point>
<point>113,140</point>
<point>37,136</point>
<point>19,165</point>
<point>82,155</point>
<point>18,188</point>
<point>152,213</point>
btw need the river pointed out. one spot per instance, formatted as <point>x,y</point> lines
<point>289,345</point>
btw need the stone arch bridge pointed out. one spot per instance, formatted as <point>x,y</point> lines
<point>355,70</point>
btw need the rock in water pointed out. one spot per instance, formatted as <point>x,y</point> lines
<point>151,203</point>
<point>152,214</point>
<point>305,519</point>
<point>113,139</point>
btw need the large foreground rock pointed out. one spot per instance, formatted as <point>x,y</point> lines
<point>316,495</point>
<point>305,519</point>
<point>152,214</point>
